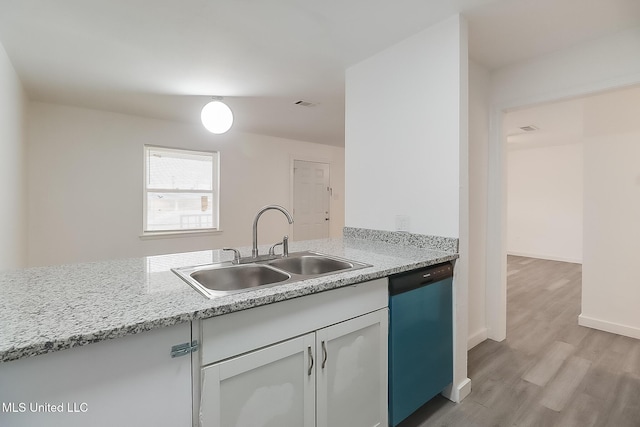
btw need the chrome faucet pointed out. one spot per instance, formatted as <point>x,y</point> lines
<point>254,250</point>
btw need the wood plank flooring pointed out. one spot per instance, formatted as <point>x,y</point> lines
<point>549,371</point>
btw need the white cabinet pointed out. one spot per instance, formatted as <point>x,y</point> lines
<point>128,381</point>
<point>333,376</point>
<point>352,372</point>
<point>271,387</point>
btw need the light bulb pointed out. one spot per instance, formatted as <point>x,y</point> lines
<point>216,117</point>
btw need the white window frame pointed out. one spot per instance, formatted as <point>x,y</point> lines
<point>215,155</point>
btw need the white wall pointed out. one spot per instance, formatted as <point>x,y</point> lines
<point>544,201</point>
<point>610,275</point>
<point>601,64</point>
<point>478,159</point>
<point>405,150</point>
<point>402,135</point>
<point>85,184</point>
<point>595,65</point>
<point>13,105</point>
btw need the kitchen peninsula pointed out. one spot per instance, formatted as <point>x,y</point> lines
<point>149,309</point>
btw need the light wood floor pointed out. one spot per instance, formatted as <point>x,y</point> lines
<point>549,371</point>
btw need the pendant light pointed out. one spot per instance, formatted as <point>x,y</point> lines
<point>216,116</point>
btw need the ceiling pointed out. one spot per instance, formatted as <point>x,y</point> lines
<point>556,123</point>
<point>164,59</point>
<point>574,120</point>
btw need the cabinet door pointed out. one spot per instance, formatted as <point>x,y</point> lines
<point>271,387</point>
<point>128,381</point>
<point>352,372</point>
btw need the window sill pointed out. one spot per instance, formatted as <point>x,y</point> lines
<point>152,235</point>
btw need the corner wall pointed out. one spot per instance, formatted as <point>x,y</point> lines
<point>610,274</point>
<point>13,106</point>
<point>406,142</point>
<point>478,169</point>
<point>402,135</point>
<point>86,184</point>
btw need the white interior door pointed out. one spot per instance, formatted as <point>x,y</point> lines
<point>310,200</point>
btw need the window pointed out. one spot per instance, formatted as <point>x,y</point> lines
<point>180,190</point>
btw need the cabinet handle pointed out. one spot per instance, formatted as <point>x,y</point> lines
<point>325,354</point>
<point>310,361</point>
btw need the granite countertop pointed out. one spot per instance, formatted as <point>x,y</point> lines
<point>45,309</point>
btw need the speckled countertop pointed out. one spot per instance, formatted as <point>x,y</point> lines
<point>46,309</point>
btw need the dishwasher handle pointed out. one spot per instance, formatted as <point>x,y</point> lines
<point>404,282</point>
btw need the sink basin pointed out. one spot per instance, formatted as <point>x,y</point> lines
<point>221,279</point>
<point>216,280</point>
<point>310,264</point>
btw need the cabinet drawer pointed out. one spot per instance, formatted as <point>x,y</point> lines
<point>262,326</point>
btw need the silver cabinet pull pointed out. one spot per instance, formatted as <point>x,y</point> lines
<point>325,354</point>
<point>310,361</point>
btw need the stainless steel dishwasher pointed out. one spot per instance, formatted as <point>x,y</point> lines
<point>420,338</point>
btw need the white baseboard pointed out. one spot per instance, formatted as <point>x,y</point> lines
<point>458,393</point>
<point>547,257</point>
<point>477,338</point>
<point>603,325</point>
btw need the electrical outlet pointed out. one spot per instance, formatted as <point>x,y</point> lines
<point>403,223</point>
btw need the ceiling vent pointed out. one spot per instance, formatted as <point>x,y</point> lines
<point>305,103</point>
<point>529,128</point>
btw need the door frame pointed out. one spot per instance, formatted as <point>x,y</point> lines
<point>292,160</point>
<point>496,247</point>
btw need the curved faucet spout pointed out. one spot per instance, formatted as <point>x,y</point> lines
<point>254,249</point>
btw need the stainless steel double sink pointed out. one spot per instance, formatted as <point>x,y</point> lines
<point>220,279</point>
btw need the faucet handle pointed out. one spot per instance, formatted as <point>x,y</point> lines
<point>285,247</point>
<point>236,254</point>
<point>272,249</point>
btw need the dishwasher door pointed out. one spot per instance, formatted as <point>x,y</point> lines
<point>420,338</point>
